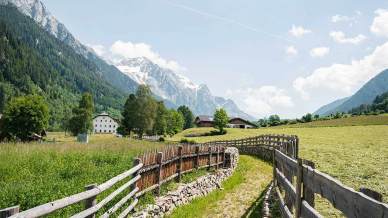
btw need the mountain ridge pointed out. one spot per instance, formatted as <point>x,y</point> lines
<point>365,95</point>
<point>178,89</point>
<point>128,82</point>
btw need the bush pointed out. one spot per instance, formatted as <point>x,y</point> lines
<point>24,116</point>
<point>186,141</point>
<point>161,139</point>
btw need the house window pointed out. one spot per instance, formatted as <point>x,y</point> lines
<point>109,131</point>
<point>100,130</point>
<point>104,130</point>
<point>110,126</point>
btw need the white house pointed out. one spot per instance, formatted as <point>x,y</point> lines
<point>104,124</point>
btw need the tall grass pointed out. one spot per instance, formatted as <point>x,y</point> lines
<point>34,173</point>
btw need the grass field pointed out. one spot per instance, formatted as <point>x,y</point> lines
<point>348,121</point>
<point>33,174</point>
<point>240,197</point>
<point>356,155</point>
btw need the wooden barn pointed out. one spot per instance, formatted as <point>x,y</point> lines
<point>236,122</point>
<point>204,121</point>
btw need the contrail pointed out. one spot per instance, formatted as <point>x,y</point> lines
<point>227,20</point>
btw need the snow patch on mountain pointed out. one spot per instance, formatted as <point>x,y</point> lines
<point>177,88</point>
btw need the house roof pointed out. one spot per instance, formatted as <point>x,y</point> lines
<point>246,121</point>
<point>204,118</point>
<point>104,114</point>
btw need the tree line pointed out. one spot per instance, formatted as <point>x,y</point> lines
<point>142,114</point>
<point>28,115</point>
<point>378,106</point>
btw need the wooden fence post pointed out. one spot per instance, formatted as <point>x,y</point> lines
<point>197,157</point>
<point>274,166</point>
<point>90,202</point>
<point>159,175</point>
<point>308,194</point>
<point>288,200</point>
<point>299,178</point>
<point>7,212</point>
<point>136,162</point>
<point>180,161</point>
<point>218,157</point>
<point>209,162</point>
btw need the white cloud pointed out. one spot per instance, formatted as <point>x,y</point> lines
<point>291,51</point>
<point>344,79</point>
<point>121,50</point>
<point>98,49</point>
<point>341,18</point>
<point>319,52</point>
<point>380,23</point>
<point>299,31</point>
<point>340,37</point>
<point>261,101</point>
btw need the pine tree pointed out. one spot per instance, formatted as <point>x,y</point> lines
<point>82,120</point>
<point>188,116</point>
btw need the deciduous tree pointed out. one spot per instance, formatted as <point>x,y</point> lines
<point>221,119</point>
<point>24,116</point>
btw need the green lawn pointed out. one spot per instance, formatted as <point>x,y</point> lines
<point>356,155</point>
<point>33,174</point>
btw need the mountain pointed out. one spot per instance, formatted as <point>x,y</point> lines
<point>176,88</point>
<point>33,61</point>
<point>39,13</point>
<point>374,87</point>
<point>173,88</point>
<point>331,106</point>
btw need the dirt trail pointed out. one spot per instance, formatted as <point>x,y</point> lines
<point>241,199</point>
<point>240,194</point>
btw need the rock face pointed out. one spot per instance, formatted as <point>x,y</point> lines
<point>187,192</point>
<point>176,88</point>
<point>36,10</point>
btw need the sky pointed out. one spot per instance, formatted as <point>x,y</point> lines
<point>271,57</point>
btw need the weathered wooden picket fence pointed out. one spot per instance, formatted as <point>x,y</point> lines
<point>161,167</point>
<point>150,171</point>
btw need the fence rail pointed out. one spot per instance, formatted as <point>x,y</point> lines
<point>150,171</point>
<point>296,179</point>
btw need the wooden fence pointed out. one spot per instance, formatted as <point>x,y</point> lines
<point>161,167</point>
<point>150,171</point>
<point>296,182</point>
<point>89,198</point>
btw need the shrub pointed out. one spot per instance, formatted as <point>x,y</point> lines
<point>24,116</point>
<point>161,139</point>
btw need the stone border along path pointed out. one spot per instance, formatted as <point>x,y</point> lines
<point>185,193</point>
<point>242,200</point>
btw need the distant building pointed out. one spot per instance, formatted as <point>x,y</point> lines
<point>104,124</point>
<point>236,122</point>
<point>204,121</point>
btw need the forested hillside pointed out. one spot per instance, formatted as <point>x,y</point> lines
<point>33,61</point>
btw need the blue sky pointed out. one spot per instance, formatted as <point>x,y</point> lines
<point>271,57</point>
